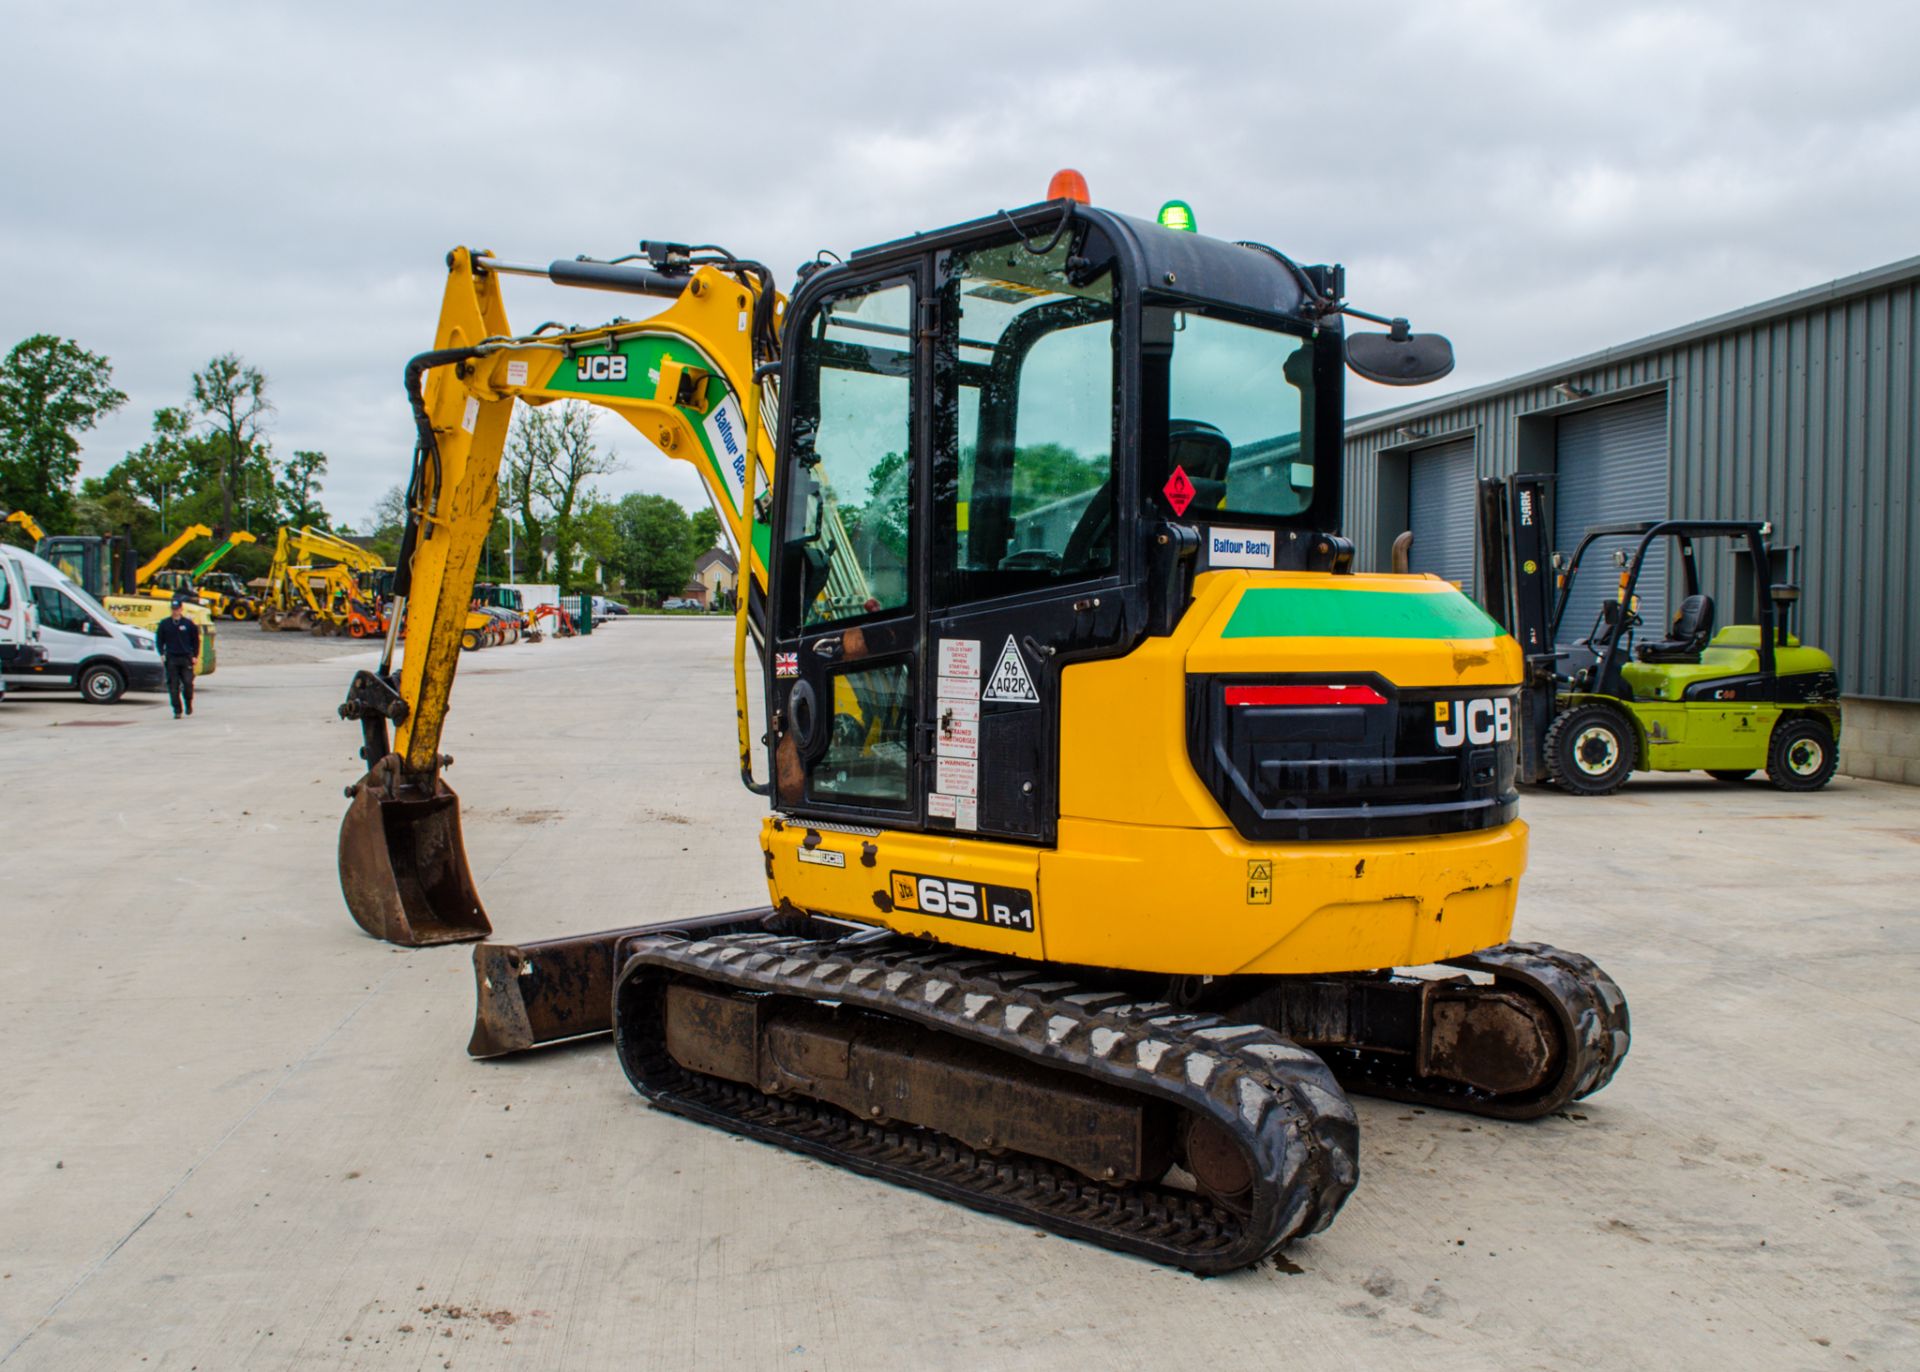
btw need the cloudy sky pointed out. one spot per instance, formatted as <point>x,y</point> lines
<point>1534,179</point>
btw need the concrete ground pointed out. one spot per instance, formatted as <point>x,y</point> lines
<point>235,1133</point>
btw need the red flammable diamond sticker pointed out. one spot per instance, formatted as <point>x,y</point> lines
<point>1179,490</point>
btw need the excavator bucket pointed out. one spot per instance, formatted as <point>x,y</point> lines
<point>403,866</point>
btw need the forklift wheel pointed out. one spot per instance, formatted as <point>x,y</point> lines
<point>1729,773</point>
<point>1801,756</point>
<point>1590,750</point>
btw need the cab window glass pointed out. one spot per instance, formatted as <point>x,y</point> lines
<point>849,517</point>
<point>1237,398</point>
<point>867,761</point>
<point>1033,410</point>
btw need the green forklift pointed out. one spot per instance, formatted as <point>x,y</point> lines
<point>1727,700</point>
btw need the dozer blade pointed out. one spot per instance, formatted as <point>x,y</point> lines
<point>528,995</point>
<point>403,866</point>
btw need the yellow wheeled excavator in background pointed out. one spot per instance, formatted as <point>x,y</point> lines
<point>1106,797</point>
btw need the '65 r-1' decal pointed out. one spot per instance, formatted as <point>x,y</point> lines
<point>1003,907</point>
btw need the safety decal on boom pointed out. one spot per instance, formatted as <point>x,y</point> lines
<point>1004,907</point>
<point>1010,681</point>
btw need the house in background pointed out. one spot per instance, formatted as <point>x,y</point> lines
<point>586,567</point>
<point>715,574</point>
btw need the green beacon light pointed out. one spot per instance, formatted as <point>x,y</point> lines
<point>1178,214</point>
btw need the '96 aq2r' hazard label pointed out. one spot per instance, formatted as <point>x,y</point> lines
<point>1004,907</point>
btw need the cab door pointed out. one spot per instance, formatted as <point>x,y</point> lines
<point>1031,517</point>
<point>849,610</point>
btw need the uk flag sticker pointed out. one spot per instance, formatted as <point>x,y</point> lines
<point>786,664</point>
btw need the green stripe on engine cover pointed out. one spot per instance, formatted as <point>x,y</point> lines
<point>1323,612</point>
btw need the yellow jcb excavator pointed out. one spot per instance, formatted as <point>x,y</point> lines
<point>1109,803</point>
<point>301,591</point>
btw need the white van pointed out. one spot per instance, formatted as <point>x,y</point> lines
<point>20,648</point>
<point>87,649</point>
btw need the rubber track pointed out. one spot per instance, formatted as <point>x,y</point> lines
<point>1594,1025</point>
<point>1277,1099</point>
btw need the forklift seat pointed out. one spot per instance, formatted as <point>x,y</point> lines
<point>1692,627</point>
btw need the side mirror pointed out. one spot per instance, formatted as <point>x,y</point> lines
<point>1399,358</point>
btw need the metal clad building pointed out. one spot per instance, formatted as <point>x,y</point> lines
<point>1803,410</point>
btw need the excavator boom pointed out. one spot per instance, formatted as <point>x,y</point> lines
<point>144,576</point>
<point>212,559</point>
<point>686,378</point>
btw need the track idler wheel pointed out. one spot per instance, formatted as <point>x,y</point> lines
<point>403,862</point>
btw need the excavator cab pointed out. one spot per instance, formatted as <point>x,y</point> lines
<point>1011,445</point>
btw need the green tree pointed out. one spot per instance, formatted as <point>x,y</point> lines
<point>656,545</point>
<point>573,459</point>
<point>231,399</point>
<point>51,391</point>
<point>597,525</point>
<point>523,484</point>
<point>387,521</point>
<point>300,488</point>
<point>157,470</point>
<point>706,530</point>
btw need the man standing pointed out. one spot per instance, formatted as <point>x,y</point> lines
<point>178,642</point>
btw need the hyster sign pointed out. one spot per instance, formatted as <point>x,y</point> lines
<point>1239,548</point>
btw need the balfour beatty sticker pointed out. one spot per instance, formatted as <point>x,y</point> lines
<point>1239,548</point>
<point>726,430</point>
<point>1010,681</point>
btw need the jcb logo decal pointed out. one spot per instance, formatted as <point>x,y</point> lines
<point>603,367</point>
<point>1472,721</point>
<point>1004,906</point>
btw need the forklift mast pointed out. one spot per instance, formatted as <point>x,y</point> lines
<point>1518,580</point>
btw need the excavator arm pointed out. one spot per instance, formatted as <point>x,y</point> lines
<point>26,524</point>
<point>691,379</point>
<point>212,559</point>
<point>144,576</point>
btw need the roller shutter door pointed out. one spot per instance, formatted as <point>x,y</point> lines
<point>1440,511</point>
<point>1612,469</point>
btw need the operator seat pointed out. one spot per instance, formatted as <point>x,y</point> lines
<point>1194,444</point>
<point>1692,627</point>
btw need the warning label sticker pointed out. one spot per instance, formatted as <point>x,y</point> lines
<point>1260,881</point>
<point>516,373</point>
<point>959,729</point>
<point>956,776</point>
<point>939,806</point>
<point>960,657</point>
<point>958,688</point>
<point>1010,680</point>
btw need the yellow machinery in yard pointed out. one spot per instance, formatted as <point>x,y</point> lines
<point>222,593</point>
<point>26,524</point>
<point>301,591</point>
<point>1109,805</point>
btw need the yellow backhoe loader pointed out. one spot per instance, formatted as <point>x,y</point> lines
<point>1118,826</point>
